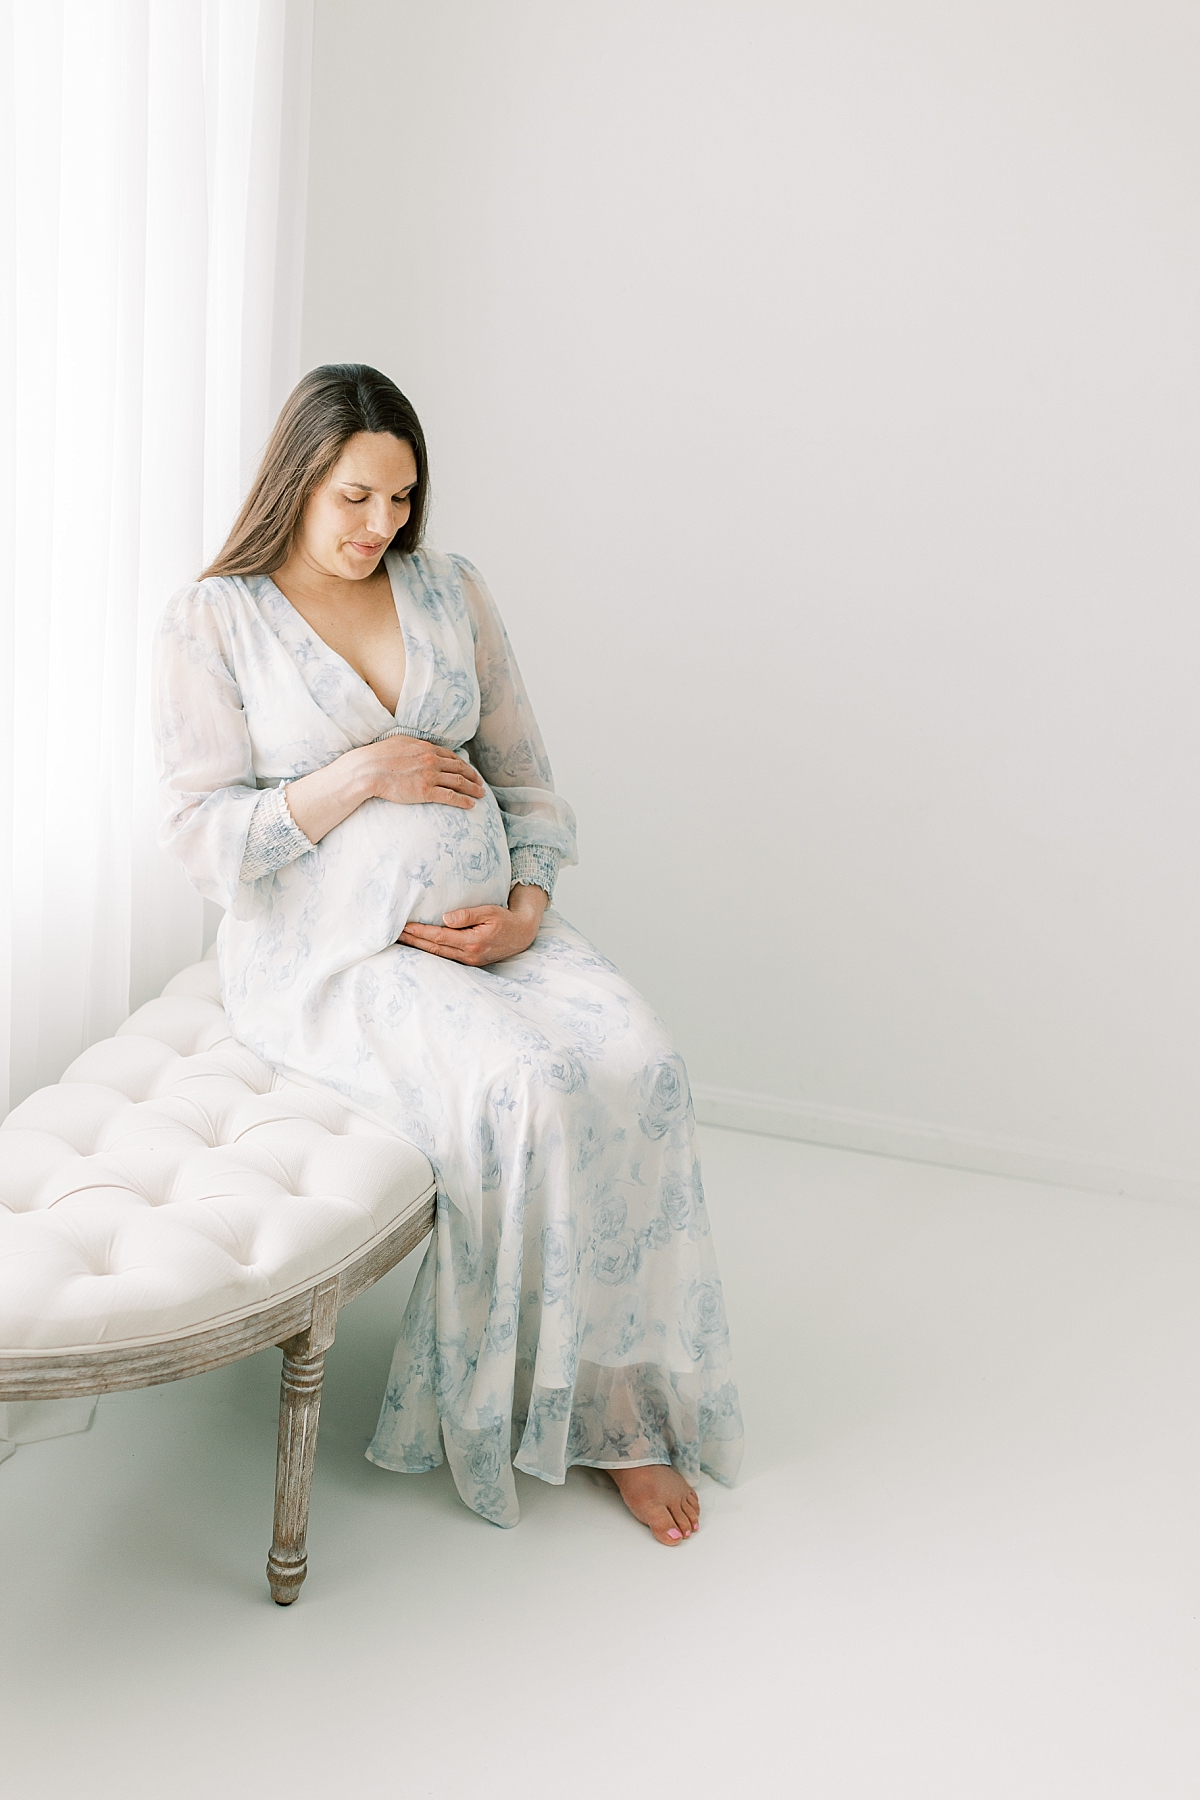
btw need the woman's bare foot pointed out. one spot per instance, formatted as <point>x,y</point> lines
<point>660,1497</point>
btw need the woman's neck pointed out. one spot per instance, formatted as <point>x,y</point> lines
<point>310,588</point>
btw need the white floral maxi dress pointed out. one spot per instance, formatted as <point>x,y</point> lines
<point>568,1309</point>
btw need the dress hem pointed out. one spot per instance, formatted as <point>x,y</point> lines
<point>644,1462</point>
<point>395,1468</point>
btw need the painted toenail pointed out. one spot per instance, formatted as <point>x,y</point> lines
<point>673,1533</point>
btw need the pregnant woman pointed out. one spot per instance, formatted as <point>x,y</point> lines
<point>350,767</point>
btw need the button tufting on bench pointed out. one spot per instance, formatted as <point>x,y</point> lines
<point>130,1191</point>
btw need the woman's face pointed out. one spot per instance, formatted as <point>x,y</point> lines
<point>360,506</point>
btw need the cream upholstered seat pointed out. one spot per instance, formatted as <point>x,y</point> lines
<point>171,1179</point>
<point>172,1204</point>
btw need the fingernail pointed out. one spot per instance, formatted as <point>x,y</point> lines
<point>673,1533</point>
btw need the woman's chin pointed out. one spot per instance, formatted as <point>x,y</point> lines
<point>355,564</point>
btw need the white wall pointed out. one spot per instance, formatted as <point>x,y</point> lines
<point>816,385</point>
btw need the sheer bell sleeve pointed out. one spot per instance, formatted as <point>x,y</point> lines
<point>507,748</point>
<point>207,785</point>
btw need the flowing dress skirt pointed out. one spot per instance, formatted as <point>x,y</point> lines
<point>568,1309</point>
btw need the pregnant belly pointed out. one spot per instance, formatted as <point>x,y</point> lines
<point>354,893</point>
<point>387,864</point>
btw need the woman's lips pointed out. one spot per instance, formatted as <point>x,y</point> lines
<point>367,549</point>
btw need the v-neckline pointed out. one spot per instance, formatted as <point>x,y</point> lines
<point>300,624</point>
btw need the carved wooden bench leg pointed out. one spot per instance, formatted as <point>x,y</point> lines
<point>299,1415</point>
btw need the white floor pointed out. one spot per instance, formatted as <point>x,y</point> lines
<point>962,1561</point>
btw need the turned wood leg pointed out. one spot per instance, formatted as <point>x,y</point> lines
<point>299,1414</point>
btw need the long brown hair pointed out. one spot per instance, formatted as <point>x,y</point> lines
<point>320,416</point>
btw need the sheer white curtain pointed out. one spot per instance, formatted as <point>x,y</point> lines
<point>153,209</point>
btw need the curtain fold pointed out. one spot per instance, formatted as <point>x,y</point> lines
<point>151,216</point>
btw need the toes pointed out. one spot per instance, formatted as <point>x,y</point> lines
<point>690,1502</point>
<point>666,1530</point>
<point>672,1515</point>
<point>683,1523</point>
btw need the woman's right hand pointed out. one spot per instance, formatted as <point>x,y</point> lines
<point>412,772</point>
<point>403,769</point>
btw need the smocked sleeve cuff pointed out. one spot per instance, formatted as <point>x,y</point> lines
<point>274,838</point>
<point>534,865</point>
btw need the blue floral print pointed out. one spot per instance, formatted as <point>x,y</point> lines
<point>568,1309</point>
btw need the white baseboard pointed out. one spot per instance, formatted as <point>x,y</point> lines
<point>878,1135</point>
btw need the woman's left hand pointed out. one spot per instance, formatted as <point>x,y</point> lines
<point>482,934</point>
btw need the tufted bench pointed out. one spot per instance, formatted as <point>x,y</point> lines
<point>172,1205</point>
